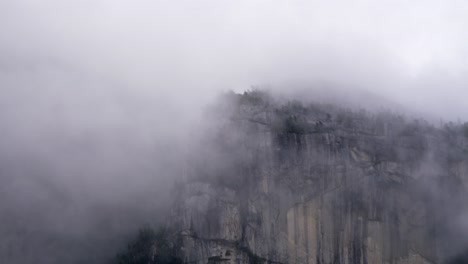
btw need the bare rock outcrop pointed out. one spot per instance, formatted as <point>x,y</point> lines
<point>321,185</point>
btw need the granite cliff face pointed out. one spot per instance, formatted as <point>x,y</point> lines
<point>295,183</point>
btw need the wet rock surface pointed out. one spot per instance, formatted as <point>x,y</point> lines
<point>317,184</point>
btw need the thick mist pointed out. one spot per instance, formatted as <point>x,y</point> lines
<point>100,100</point>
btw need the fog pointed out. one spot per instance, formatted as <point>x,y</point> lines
<point>413,53</point>
<point>99,99</point>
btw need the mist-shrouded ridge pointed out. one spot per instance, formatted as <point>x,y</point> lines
<point>281,181</point>
<point>103,102</point>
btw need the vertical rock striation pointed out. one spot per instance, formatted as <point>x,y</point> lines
<point>316,184</point>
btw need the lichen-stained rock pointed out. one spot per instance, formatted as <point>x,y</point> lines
<point>212,213</point>
<point>199,250</point>
<point>308,185</point>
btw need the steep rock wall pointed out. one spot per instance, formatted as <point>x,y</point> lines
<point>330,193</point>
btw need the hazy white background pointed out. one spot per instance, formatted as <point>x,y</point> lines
<point>413,52</point>
<point>97,97</point>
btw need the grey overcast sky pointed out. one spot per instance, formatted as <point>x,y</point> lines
<point>411,52</point>
<point>98,97</point>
